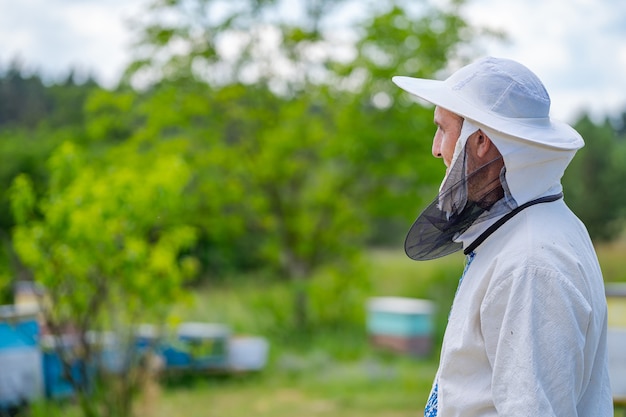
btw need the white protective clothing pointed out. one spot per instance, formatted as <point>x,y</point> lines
<point>527,331</point>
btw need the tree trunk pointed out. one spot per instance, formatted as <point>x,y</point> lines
<point>298,273</point>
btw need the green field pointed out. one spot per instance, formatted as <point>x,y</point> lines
<point>331,372</point>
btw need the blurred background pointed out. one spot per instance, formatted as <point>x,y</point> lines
<point>203,202</point>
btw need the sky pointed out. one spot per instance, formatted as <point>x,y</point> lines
<point>577,47</point>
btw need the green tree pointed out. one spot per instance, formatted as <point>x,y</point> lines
<point>26,101</point>
<point>300,150</point>
<point>35,117</point>
<point>105,241</point>
<point>595,179</point>
<point>23,98</point>
<point>21,152</point>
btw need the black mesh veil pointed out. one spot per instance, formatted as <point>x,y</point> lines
<point>464,199</point>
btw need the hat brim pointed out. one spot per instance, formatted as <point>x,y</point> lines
<point>541,131</point>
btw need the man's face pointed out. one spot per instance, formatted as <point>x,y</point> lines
<point>483,159</point>
<point>448,131</point>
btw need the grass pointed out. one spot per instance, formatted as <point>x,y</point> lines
<point>326,373</point>
<point>612,260</point>
<point>322,387</point>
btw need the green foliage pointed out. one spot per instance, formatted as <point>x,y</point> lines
<point>294,180</point>
<point>105,241</point>
<point>34,119</point>
<point>595,179</point>
<point>26,102</point>
<point>24,152</point>
<point>105,229</point>
<point>110,115</point>
<point>337,295</point>
<point>23,98</point>
<point>427,41</point>
<point>289,173</point>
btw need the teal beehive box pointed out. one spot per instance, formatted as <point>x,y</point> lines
<point>401,324</point>
<point>21,379</point>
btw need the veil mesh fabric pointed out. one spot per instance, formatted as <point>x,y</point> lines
<point>464,199</point>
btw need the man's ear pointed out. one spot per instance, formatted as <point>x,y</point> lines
<point>484,146</point>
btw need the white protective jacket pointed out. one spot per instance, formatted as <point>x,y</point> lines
<point>527,331</point>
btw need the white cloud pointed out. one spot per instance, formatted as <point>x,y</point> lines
<point>56,35</point>
<point>572,45</point>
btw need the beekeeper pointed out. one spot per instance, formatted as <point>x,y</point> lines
<point>526,334</point>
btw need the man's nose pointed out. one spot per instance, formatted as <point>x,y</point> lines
<point>437,146</point>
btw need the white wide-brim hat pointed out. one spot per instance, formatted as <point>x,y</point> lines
<point>499,94</point>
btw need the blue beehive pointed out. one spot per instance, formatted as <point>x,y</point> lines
<point>194,346</point>
<point>21,379</point>
<point>149,338</point>
<point>56,383</point>
<point>199,346</point>
<point>401,324</point>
